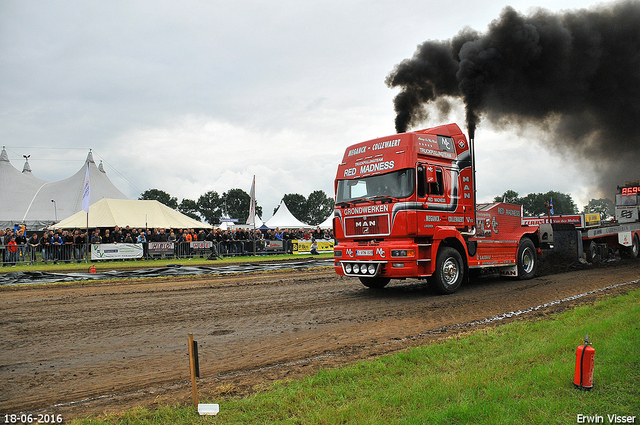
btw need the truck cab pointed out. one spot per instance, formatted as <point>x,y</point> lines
<point>405,208</point>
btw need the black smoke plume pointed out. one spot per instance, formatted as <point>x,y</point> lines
<point>575,75</point>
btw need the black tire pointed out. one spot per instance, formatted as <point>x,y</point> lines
<point>449,271</point>
<point>591,250</point>
<point>375,282</point>
<point>527,259</point>
<point>634,250</point>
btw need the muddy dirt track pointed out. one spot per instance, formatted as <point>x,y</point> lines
<point>91,348</point>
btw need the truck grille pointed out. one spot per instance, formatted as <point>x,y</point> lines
<point>371,225</point>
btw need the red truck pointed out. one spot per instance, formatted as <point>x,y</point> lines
<point>405,208</point>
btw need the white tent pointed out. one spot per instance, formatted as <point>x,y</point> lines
<point>134,213</point>
<point>284,219</point>
<point>38,203</point>
<point>328,223</point>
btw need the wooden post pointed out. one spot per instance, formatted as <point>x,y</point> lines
<point>192,366</point>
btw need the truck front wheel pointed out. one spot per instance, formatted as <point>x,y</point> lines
<point>449,272</point>
<point>527,259</point>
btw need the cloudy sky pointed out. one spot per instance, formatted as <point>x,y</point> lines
<point>189,97</point>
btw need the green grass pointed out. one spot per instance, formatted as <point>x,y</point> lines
<point>142,264</point>
<point>520,373</point>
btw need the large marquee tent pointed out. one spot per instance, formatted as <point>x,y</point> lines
<point>36,203</point>
<point>124,212</point>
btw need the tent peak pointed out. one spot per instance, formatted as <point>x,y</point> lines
<point>90,157</point>
<point>3,155</point>
<point>101,167</point>
<point>27,167</point>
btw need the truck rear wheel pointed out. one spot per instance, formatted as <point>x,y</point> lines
<point>634,250</point>
<point>375,282</point>
<point>527,259</point>
<point>449,271</point>
<point>591,249</point>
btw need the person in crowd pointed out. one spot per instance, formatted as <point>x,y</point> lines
<point>45,243</point>
<point>21,241</point>
<point>107,238</point>
<point>56,244</point>
<point>116,235</point>
<point>142,238</point>
<point>128,238</point>
<point>314,247</point>
<point>12,250</point>
<point>96,238</point>
<point>80,244</point>
<point>67,249</point>
<point>34,245</point>
<point>3,246</point>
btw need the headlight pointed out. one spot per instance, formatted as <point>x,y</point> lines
<point>402,253</point>
<point>356,268</point>
<point>372,269</point>
<point>347,268</point>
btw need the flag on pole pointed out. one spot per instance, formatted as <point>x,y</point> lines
<point>86,192</point>
<point>252,204</point>
<point>551,205</point>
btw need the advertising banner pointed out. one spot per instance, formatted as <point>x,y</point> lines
<point>273,245</point>
<point>161,248</point>
<point>577,220</point>
<point>116,251</point>
<point>201,245</point>
<point>304,246</point>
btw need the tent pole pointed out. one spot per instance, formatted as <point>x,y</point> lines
<point>86,239</point>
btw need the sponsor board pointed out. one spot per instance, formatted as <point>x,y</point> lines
<point>200,245</point>
<point>107,251</point>
<point>304,246</point>
<point>576,220</point>
<point>161,248</point>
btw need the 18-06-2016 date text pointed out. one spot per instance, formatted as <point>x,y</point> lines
<point>30,418</point>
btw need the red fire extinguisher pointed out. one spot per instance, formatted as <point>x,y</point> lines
<point>92,269</point>
<point>583,378</point>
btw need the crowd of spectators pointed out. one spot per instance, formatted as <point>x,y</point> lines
<point>71,245</point>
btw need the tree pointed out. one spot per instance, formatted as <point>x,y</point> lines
<point>606,207</point>
<point>312,210</point>
<point>319,206</point>
<point>236,203</point>
<point>537,204</point>
<point>160,196</point>
<point>297,205</point>
<point>210,207</point>
<point>189,208</point>
<point>509,196</point>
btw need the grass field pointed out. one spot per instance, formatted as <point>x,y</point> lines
<point>141,264</point>
<point>519,373</point>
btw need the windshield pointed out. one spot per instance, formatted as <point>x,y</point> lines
<point>398,184</point>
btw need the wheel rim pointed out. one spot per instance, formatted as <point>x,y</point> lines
<point>450,272</point>
<point>635,247</point>
<point>527,260</point>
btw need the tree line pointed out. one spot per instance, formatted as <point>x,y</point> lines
<point>212,207</point>
<point>536,204</point>
<point>314,209</point>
